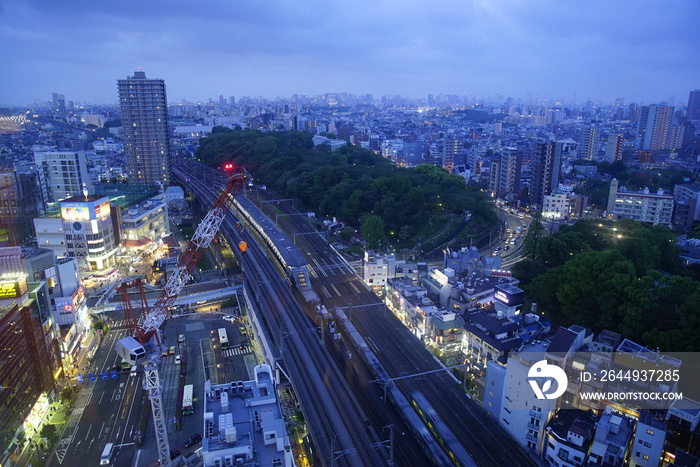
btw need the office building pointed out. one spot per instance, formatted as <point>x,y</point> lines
<point>29,357</point>
<point>693,112</point>
<point>144,225</point>
<point>654,127</point>
<point>20,202</point>
<point>91,234</point>
<point>145,129</point>
<point>62,174</point>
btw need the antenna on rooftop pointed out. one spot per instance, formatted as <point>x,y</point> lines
<point>85,191</point>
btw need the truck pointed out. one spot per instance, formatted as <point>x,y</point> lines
<point>130,350</point>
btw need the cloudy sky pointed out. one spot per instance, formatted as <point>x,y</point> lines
<point>641,50</point>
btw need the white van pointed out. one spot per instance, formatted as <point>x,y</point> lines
<point>107,454</point>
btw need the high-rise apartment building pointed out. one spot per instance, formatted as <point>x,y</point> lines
<point>451,148</point>
<point>613,151</point>
<point>505,173</point>
<point>546,157</point>
<point>589,143</point>
<point>145,129</point>
<point>654,127</point>
<point>693,112</point>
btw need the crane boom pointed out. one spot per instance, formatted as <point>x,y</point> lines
<point>151,319</point>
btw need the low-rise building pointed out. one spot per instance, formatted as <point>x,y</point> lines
<point>611,442</point>
<point>653,208</point>
<point>243,423</point>
<point>648,445</point>
<point>568,438</point>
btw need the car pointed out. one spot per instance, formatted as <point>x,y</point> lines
<point>174,454</point>
<point>178,359</point>
<point>242,330</point>
<point>498,248</point>
<point>229,318</point>
<point>181,338</point>
<point>171,350</point>
<point>192,440</point>
<point>506,248</point>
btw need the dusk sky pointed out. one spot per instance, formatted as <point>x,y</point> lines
<point>643,51</point>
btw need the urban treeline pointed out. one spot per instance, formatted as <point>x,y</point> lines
<point>391,204</point>
<point>623,276</point>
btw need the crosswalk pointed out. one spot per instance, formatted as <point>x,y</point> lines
<point>236,351</point>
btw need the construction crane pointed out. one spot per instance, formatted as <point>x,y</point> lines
<point>147,326</point>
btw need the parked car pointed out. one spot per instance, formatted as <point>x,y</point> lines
<point>229,318</point>
<point>192,440</point>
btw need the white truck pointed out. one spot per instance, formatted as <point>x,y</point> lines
<point>130,350</point>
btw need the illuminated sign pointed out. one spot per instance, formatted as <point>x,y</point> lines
<point>64,305</point>
<point>501,297</point>
<point>75,213</point>
<point>13,287</point>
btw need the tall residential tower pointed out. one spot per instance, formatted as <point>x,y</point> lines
<point>145,129</point>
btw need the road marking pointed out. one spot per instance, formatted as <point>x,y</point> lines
<point>126,401</point>
<point>235,351</point>
<point>101,429</point>
<point>88,432</point>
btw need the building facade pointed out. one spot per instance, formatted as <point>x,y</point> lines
<point>62,174</point>
<point>145,129</point>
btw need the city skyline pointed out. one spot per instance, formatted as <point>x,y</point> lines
<point>543,50</point>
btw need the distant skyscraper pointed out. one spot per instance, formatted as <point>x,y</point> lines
<point>694,105</point>
<point>59,103</point>
<point>145,129</point>
<point>654,127</point>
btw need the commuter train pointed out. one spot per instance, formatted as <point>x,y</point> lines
<point>444,436</point>
<point>437,441</point>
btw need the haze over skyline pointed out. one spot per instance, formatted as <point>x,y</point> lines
<point>642,52</point>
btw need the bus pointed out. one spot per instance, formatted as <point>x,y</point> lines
<point>223,338</point>
<point>187,407</point>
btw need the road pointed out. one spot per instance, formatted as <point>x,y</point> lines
<point>109,410</point>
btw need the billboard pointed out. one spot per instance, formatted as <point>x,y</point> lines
<point>72,211</point>
<point>12,285</point>
<point>75,213</point>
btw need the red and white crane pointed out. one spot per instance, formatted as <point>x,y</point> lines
<point>147,327</point>
<point>148,323</point>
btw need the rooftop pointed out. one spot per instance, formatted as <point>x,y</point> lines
<point>243,423</point>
